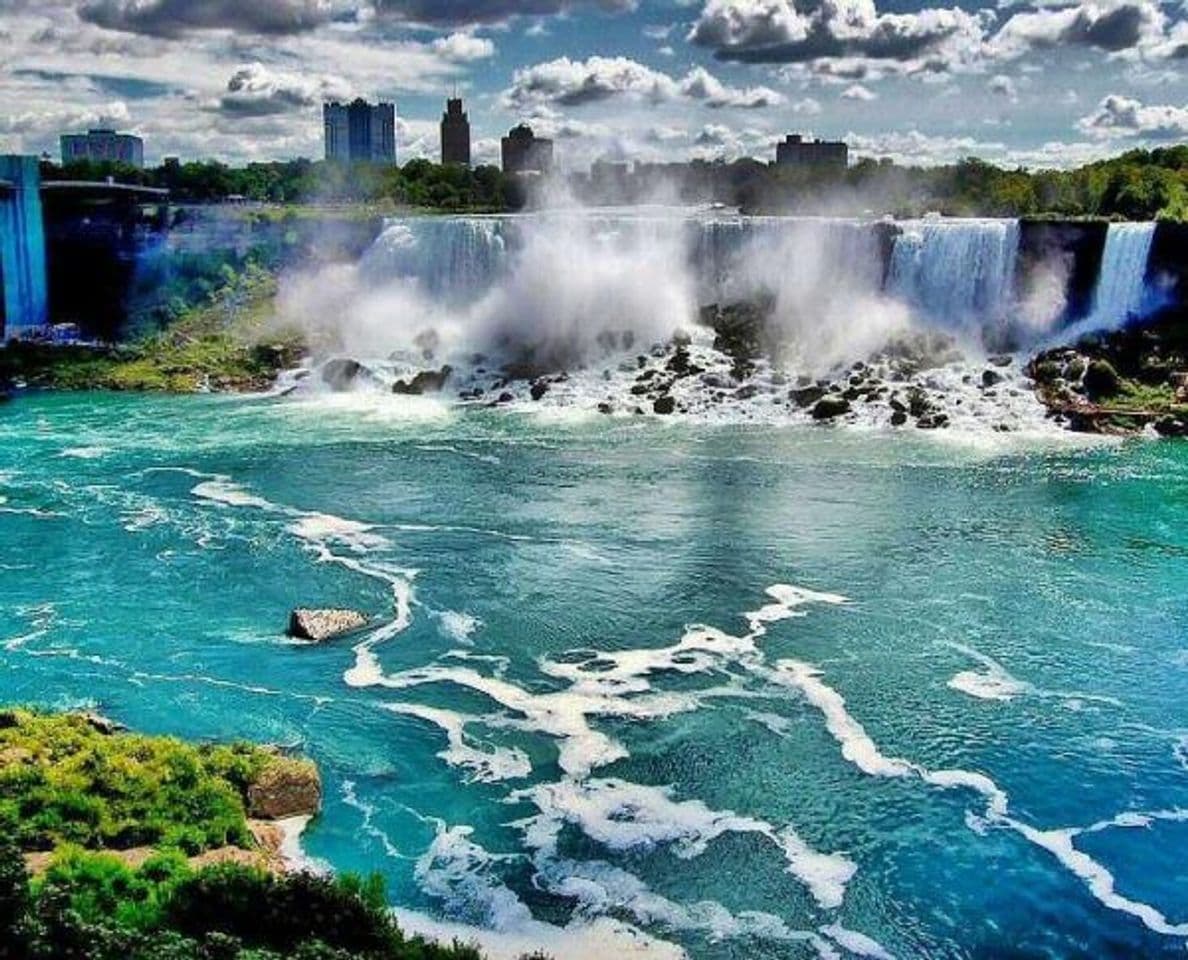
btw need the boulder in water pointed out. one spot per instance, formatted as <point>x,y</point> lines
<point>319,625</point>
<point>539,389</point>
<point>427,381</point>
<point>664,405</point>
<point>898,418</point>
<point>1170,426</point>
<point>343,373</point>
<point>806,396</point>
<point>991,378</point>
<point>830,406</point>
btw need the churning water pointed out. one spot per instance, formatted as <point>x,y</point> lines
<point>637,687</point>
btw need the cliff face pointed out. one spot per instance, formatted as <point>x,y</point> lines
<point>1168,266</point>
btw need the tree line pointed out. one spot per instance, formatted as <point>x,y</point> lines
<point>1138,185</point>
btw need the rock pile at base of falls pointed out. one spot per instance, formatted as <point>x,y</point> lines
<point>319,625</point>
<point>1120,381</point>
<point>733,365</point>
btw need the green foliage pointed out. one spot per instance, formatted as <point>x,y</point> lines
<point>90,906</point>
<point>62,781</point>
<point>418,183</point>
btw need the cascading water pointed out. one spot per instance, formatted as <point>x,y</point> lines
<point>453,257</point>
<point>956,273</point>
<point>22,246</point>
<point>1121,290</point>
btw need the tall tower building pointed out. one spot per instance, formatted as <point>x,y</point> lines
<point>359,132</point>
<point>455,134</point>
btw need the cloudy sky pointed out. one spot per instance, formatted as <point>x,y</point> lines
<point>1038,82</point>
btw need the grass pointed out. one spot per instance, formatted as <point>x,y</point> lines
<point>62,781</point>
<point>223,344</point>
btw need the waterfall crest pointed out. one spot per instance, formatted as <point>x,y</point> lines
<point>956,273</point>
<point>1121,290</point>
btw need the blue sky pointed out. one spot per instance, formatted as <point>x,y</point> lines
<point>1037,82</point>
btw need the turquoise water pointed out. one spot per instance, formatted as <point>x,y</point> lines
<point>950,763</point>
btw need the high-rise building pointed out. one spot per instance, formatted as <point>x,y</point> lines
<point>455,134</point>
<point>795,151</point>
<point>359,132</point>
<point>104,146</point>
<point>525,152</point>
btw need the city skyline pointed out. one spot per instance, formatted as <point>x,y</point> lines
<point>1036,83</point>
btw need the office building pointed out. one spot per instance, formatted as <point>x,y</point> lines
<point>103,146</point>
<point>359,132</point>
<point>795,151</point>
<point>455,134</point>
<point>524,152</point>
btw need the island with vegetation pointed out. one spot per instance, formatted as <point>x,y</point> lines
<point>119,846</point>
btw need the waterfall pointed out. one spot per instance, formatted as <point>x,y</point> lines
<point>455,258</point>
<point>22,247</point>
<point>1121,290</point>
<point>956,273</point>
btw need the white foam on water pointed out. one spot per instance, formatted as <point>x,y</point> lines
<point>594,939</point>
<point>450,448</point>
<point>995,682</point>
<point>623,816</point>
<point>222,490</point>
<point>459,627</point>
<point>485,765</point>
<point>351,799</point>
<point>292,853</point>
<point>856,943</point>
<point>858,748</point>
<point>85,453</point>
<point>599,888</point>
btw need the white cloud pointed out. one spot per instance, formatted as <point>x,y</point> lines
<point>463,47</point>
<point>255,90</point>
<point>857,91</point>
<point>1117,116</point>
<point>797,31</point>
<point>1003,86</point>
<point>569,82</point>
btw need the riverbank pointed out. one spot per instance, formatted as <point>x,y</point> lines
<point>232,343</point>
<point>120,845</point>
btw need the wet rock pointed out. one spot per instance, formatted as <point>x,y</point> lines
<point>991,378</point>
<point>918,402</point>
<point>1170,426</point>
<point>898,418</point>
<point>427,381</point>
<point>933,421</point>
<point>1001,360</point>
<point>285,787</point>
<point>829,407</point>
<point>343,373</point>
<point>101,724</point>
<point>506,398</point>
<point>664,405</point>
<point>319,625</point>
<point>680,365</point>
<point>605,408</point>
<point>539,389</point>
<point>806,396</point>
<point>1101,380</point>
<point>897,405</point>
